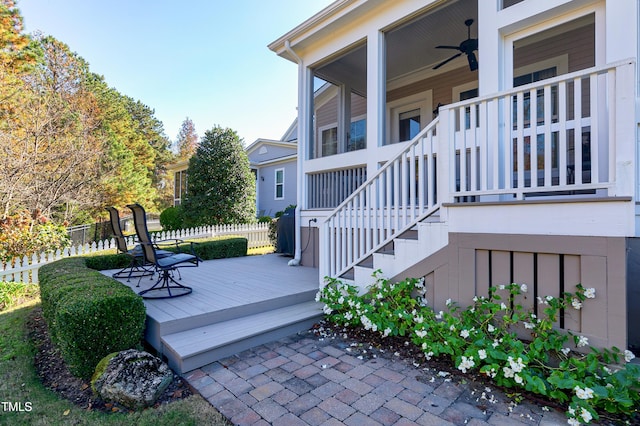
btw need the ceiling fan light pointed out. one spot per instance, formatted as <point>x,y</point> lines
<point>473,61</point>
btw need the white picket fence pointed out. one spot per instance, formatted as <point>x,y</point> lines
<point>26,269</point>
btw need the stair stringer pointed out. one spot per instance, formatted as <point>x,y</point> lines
<point>432,236</point>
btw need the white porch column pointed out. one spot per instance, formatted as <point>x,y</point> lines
<point>376,96</point>
<point>305,146</point>
<point>344,117</point>
<point>490,51</point>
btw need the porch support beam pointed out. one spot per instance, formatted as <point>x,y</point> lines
<point>376,94</point>
<point>490,47</point>
<point>344,117</point>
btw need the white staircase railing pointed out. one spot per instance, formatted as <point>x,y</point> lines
<point>400,194</point>
<point>557,136</point>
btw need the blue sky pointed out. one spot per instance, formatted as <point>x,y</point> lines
<point>203,59</point>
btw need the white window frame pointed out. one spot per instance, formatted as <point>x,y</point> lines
<point>422,101</point>
<point>276,184</point>
<point>320,144</point>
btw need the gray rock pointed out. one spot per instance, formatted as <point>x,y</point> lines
<point>132,378</point>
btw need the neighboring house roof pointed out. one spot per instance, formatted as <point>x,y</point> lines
<point>178,166</point>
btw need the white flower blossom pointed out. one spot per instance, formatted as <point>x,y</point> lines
<point>503,306</point>
<point>348,316</point>
<point>439,315</point>
<point>516,365</point>
<point>529,325</point>
<point>582,341</point>
<point>501,287</point>
<point>379,296</point>
<point>523,288</point>
<point>452,327</point>
<point>464,333</point>
<point>421,333</point>
<point>318,296</point>
<point>482,354</point>
<point>586,393</point>
<point>428,355</point>
<point>576,303</point>
<point>448,302</point>
<point>565,351</point>
<point>466,363</point>
<point>327,310</point>
<point>387,331</point>
<point>475,298</point>
<point>495,343</point>
<point>586,415</point>
<point>508,372</point>
<point>341,300</point>
<point>628,355</point>
<point>518,379</point>
<point>590,293</point>
<point>490,328</point>
<point>418,319</point>
<point>573,422</point>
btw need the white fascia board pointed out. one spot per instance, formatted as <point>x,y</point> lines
<point>287,159</point>
<point>260,142</point>
<point>312,25</point>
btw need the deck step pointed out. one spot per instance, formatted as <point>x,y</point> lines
<point>200,346</point>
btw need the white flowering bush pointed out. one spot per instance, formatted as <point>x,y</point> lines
<point>484,338</point>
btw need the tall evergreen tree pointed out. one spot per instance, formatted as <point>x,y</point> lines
<point>221,188</point>
<point>187,141</point>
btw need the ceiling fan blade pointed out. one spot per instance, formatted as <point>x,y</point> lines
<point>448,47</point>
<point>473,61</point>
<point>447,61</point>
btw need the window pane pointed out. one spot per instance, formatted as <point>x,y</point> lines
<point>330,141</point>
<point>279,176</point>
<point>409,124</point>
<point>358,135</point>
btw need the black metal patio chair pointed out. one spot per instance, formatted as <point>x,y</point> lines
<point>166,286</point>
<point>136,267</point>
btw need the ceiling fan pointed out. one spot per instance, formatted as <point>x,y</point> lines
<point>467,47</point>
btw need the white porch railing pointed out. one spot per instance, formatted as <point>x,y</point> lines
<point>565,136</point>
<point>554,137</point>
<point>26,268</point>
<point>402,192</point>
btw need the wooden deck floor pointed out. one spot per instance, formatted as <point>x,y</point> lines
<point>225,290</point>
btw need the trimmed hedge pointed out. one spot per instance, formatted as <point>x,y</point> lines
<point>214,249</point>
<point>89,315</point>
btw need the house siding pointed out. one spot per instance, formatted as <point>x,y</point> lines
<point>441,85</point>
<point>266,188</point>
<point>578,44</point>
<point>272,152</point>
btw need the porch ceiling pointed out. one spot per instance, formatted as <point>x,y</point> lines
<point>411,46</point>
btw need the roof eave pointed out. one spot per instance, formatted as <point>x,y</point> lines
<point>311,26</point>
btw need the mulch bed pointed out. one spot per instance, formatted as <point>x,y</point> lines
<point>55,375</point>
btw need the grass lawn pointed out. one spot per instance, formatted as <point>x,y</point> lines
<point>20,389</point>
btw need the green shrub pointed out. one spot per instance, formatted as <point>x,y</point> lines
<point>171,218</point>
<point>95,321</point>
<point>265,219</point>
<point>89,315</point>
<point>214,249</point>
<point>108,261</point>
